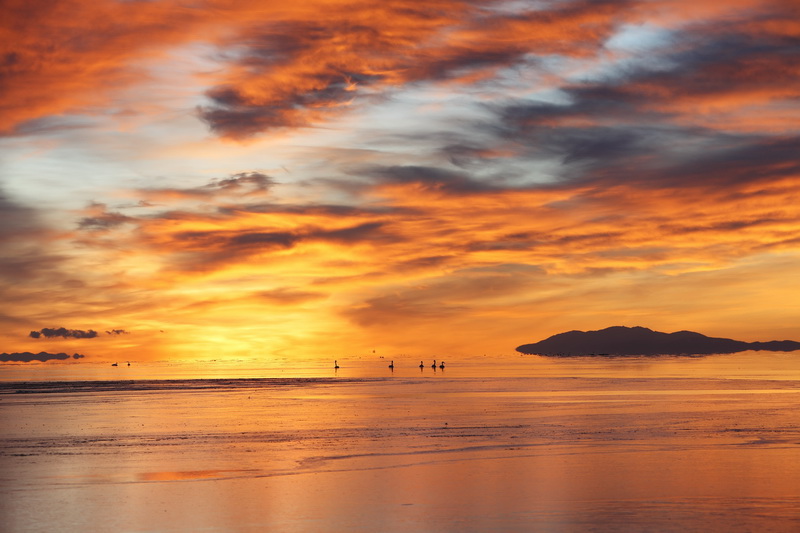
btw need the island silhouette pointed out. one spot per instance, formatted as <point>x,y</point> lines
<point>621,340</point>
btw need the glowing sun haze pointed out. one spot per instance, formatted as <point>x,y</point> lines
<point>264,180</point>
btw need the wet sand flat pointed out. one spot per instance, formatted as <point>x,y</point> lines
<point>457,451</point>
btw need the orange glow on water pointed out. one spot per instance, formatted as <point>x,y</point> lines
<point>554,442</point>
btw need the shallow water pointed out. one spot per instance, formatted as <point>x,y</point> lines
<point>488,444</point>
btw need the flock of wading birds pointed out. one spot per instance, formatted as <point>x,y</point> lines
<point>391,365</point>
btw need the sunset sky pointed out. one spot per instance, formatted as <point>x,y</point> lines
<point>264,180</point>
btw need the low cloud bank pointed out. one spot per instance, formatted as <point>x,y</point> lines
<point>50,333</point>
<point>27,357</point>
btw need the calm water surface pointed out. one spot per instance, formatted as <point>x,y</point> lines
<point>488,444</point>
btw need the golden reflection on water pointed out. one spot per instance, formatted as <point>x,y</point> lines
<point>188,475</point>
<point>557,445</point>
<point>744,365</point>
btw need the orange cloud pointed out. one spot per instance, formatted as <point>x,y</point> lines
<point>299,72</point>
<point>294,65</point>
<point>424,256</point>
<point>67,55</point>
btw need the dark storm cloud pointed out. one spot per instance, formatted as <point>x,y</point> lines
<point>655,122</point>
<point>708,66</point>
<point>233,114</point>
<point>424,263</point>
<point>532,240</point>
<point>739,161</point>
<point>239,184</point>
<point>50,333</point>
<point>654,156</point>
<point>657,156</point>
<point>268,239</point>
<point>603,144</point>
<point>280,239</point>
<point>431,178</point>
<point>251,181</point>
<point>325,210</point>
<point>210,248</point>
<point>105,220</point>
<point>745,61</point>
<point>368,231</point>
<point>739,58</point>
<point>677,228</point>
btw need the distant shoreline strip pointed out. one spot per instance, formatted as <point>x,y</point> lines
<point>171,385</point>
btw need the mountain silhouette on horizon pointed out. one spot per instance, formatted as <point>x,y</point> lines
<point>622,340</point>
